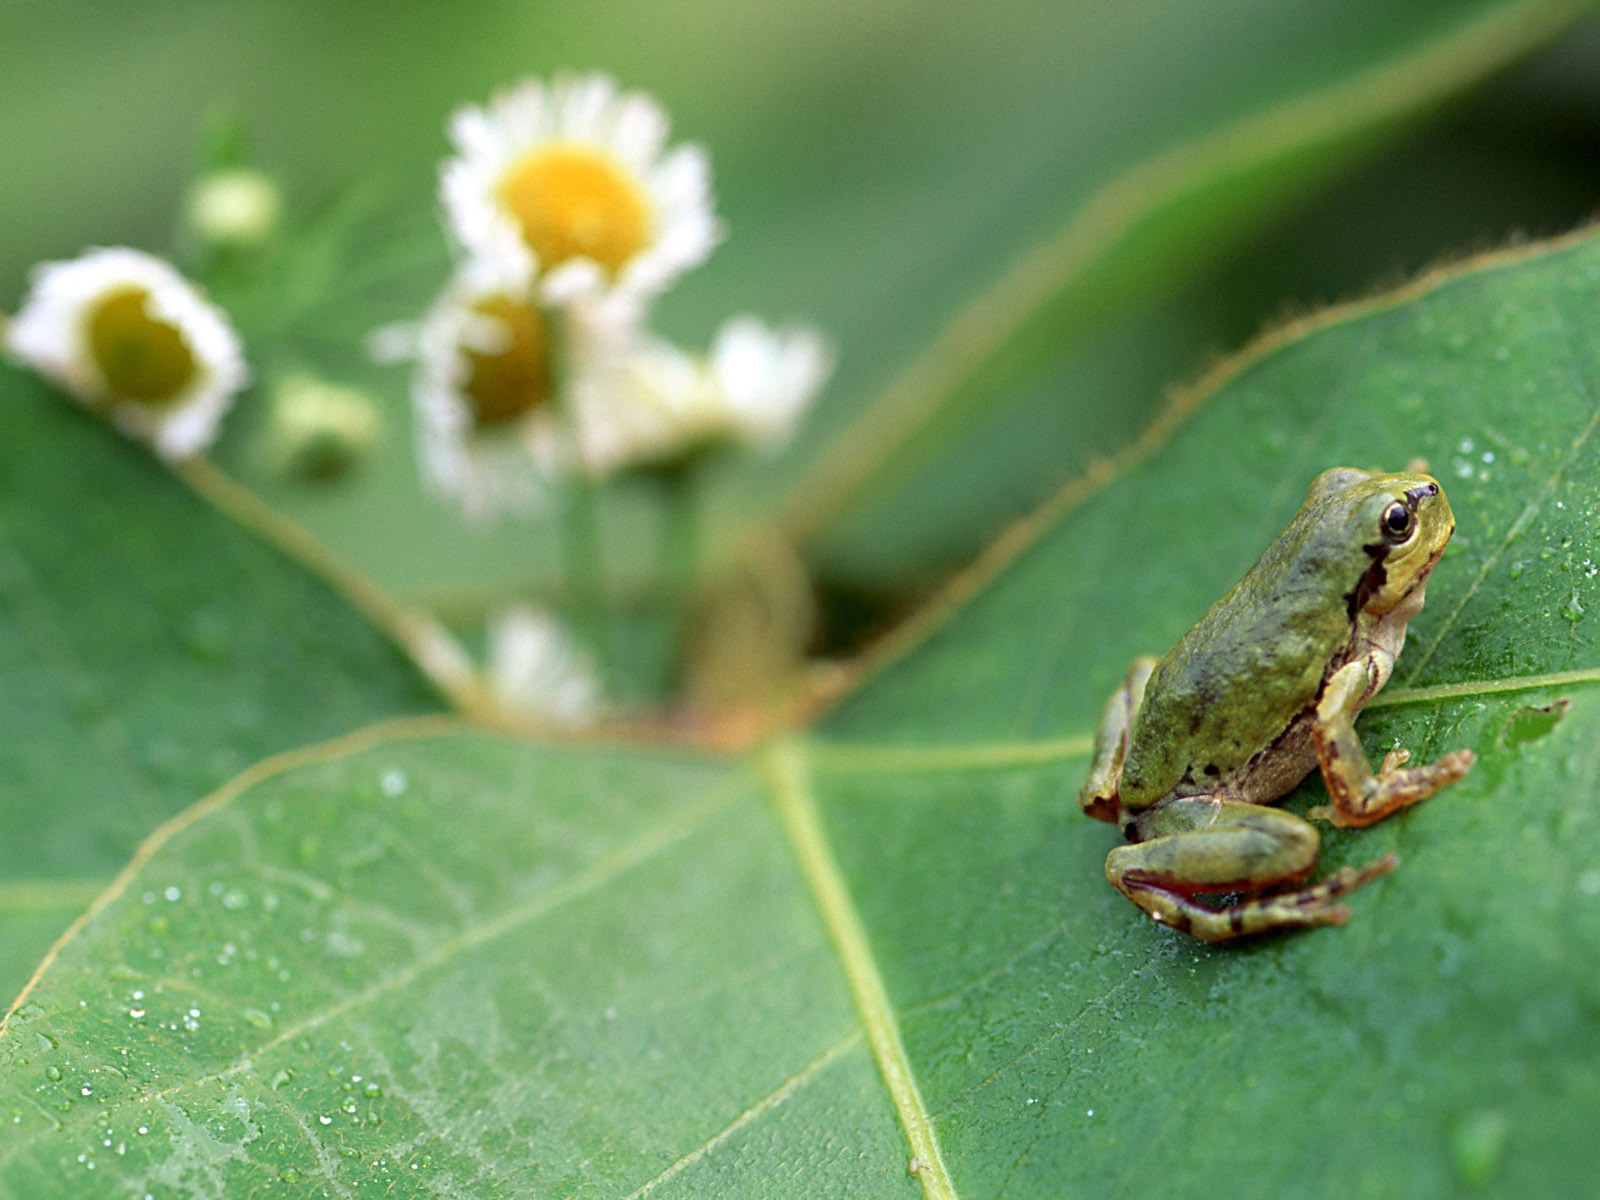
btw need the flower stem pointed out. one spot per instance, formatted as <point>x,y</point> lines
<point>585,569</point>
<point>680,552</point>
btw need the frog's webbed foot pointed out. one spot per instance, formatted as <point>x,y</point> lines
<point>1394,787</point>
<point>1198,846</point>
<point>1359,797</point>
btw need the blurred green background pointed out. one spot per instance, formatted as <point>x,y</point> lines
<point>879,163</point>
<point>104,104</point>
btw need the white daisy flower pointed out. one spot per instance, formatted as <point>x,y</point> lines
<point>484,391</point>
<point>493,363</point>
<point>752,388</point>
<point>575,175</point>
<point>536,670</point>
<point>129,337</point>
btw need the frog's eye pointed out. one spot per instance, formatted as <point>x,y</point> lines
<point>1398,521</point>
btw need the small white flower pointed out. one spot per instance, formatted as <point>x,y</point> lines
<point>484,391</point>
<point>537,671</point>
<point>575,175</point>
<point>493,367</point>
<point>752,388</point>
<point>129,337</point>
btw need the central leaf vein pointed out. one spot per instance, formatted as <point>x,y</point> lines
<point>791,789</point>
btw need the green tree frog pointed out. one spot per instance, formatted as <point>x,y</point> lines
<point>1266,686</point>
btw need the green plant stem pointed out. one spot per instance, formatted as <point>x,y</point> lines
<point>585,570</point>
<point>680,550</point>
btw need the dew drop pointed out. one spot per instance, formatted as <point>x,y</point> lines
<point>289,1175</point>
<point>393,784</point>
<point>53,1074</point>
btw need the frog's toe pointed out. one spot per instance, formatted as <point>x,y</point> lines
<point>1398,757</point>
<point>1348,878</point>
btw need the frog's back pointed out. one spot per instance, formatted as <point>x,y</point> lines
<point>1240,679</point>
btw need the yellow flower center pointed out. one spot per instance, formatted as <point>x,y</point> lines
<point>140,358</point>
<point>516,378</point>
<point>573,202</point>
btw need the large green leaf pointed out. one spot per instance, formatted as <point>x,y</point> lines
<point>999,224</point>
<point>881,955</point>
<point>149,650</point>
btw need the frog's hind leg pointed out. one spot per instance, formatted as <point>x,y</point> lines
<point>1098,797</point>
<point>1198,846</point>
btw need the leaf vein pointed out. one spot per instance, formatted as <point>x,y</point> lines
<point>760,1108</point>
<point>791,790</point>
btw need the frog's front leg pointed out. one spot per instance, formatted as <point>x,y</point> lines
<point>1360,797</point>
<point>1197,846</point>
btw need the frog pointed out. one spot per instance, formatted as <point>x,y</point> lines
<point>1195,747</point>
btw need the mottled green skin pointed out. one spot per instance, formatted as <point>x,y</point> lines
<point>1255,662</point>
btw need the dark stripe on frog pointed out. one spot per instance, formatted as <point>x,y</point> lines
<point>1371,581</point>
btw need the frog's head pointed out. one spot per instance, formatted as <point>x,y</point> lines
<point>1401,522</point>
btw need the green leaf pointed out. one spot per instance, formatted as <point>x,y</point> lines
<point>882,955</point>
<point>442,962</point>
<point>150,650</point>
